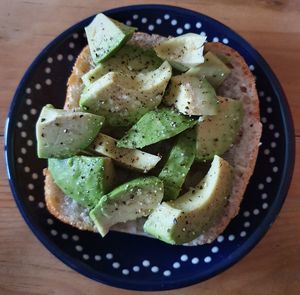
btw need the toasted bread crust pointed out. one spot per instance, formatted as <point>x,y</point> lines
<point>239,85</point>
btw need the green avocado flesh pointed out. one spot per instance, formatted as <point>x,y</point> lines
<point>123,99</point>
<point>191,96</point>
<point>62,134</point>
<point>216,134</point>
<point>105,36</point>
<point>178,164</point>
<point>213,69</point>
<point>132,200</point>
<point>130,60</point>
<point>155,126</point>
<point>192,214</point>
<point>182,52</point>
<point>130,158</point>
<point>85,179</point>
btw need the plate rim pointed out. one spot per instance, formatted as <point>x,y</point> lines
<point>238,254</point>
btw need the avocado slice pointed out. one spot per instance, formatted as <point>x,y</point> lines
<point>130,158</point>
<point>123,99</point>
<point>85,179</point>
<point>130,59</point>
<point>213,69</point>
<point>215,134</point>
<point>191,96</point>
<point>62,134</point>
<point>105,36</point>
<point>182,52</point>
<point>192,214</point>
<point>131,200</point>
<point>155,126</point>
<point>178,164</point>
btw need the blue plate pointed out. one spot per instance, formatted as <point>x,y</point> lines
<point>128,261</point>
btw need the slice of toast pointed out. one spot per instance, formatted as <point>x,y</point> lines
<point>242,155</point>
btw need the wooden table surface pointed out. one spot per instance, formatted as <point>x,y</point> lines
<point>271,26</point>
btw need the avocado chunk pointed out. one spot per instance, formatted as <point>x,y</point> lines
<point>216,134</point>
<point>178,164</point>
<point>131,200</point>
<point>105,36</point>
<point>62,134</point>
<point>213,69</point>
<point>130,158</point>
<point>130,59</point>
<point>155,126</point>
<point>182,52</point>
<point>192,214</point>
<point>191,96</point>
<point>123,99</point>
<point>85,179</point>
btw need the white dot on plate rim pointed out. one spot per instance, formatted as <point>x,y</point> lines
<point>268,98</point>
<point>266,151</point>
<point>41,205</point>
<point>154,269</point>
<point>125,271</point>
<point>49,60</point>
<point>135,16</point>
<point>264,119</point>
<point>28,90</point>
<point>150,27</point>
<point>50,221</point>
<point>75,238</point>
<point>70,57</point>
<point>167,273</point>
<point>144,20</point>
<point>198,25</point>
<point>38,86</point>
<point>231,238</point>
<point>247,224</point>
<point>265,206</point>
<point>23,134</point>
<point>243,234</point>
<point>275,169</point>
<point>271,126</point>
<point>256,211</point>
<point>109,256</point>
<point>195,260</point>
<point>260,186</point>
<point>225,41</point>
<point>215,249</point>
<point>85,256</point>
<point>25,117</point>
<point>26,169</point>
<point>146,263</point>
<point>179,31</point>
<point>64,236</point>
<point>60,57</point>
<point>97,257</point>
<point>273,144</point>
<point>28,101</point>
<point>128,23</point>
<point>215,39</point>
<point>173,22</point>
<point>34,176</point>
<point>71,45</point>
<point>264,196</point>
<point>136,268</point>
<point>187,26</point>
<point>30,186</point>
<point>75,35</point>
<point>53,232</point>
<point>251,68</point>
<point>166,16</point>
<point>158,21</point>
<point>261,93</point>
<point>207,259</point>
<point>220,239</point>
<point>203,34</point>
<point>268,179</point>
<point>33,111</point>
<point>272,160</point>
<point>19,124</point>
<point>176,265</point>
<point>48,81</point>
<point>31,198</point>
<point>269,110</point>
<point>20,160</point>
<point>78,248</point>
<point>184,257</point>
<point>276,134</point>
<point>246,214</point>
<point>116,265</point>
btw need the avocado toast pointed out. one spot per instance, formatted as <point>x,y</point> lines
<point>243,144</point>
